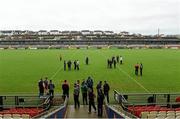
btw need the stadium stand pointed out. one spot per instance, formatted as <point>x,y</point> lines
<point>27,106</point>
<point>98,43</point>
<point>148,105</point>
<point>19,112</point>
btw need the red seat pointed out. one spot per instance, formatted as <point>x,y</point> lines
<point>138,109</point>
<point>177,109</point>
<point>178,99</point>
<point>138,112</point>
<point>30,111</point>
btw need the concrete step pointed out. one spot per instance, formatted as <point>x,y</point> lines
<point>82,112</point>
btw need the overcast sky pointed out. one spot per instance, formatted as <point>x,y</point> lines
<point>135,16</point>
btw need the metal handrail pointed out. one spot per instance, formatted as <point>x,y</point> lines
<point>21,104</point>
<point>49,112</point>
<point>126,114</point>
<point>124,104</point>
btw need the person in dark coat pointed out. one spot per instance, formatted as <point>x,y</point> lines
<point>46,83</point>
<point>99,85</point>
<point>106,89</point>
<point>65,88</point>
<point>100,100</point>
<point>64,65</point>
<point>114,62</point>
<point>76,96</point>
<point>84,90</point>
<point>75,64</point>
<point>113,58</point>
<point>110,64</point>
<point>141,68</point>
<point>121,59</point>
<point>69,64</point>
<point>117,59</point>
<point>51,89</point>
<point>60,57</point>
<point>91,97</point>
<point>41,87</point>
<point>87,60</point>
<point>136,69</point>
<point>89,82</point>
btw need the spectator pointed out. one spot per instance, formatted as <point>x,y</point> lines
<point>121,59</point>
<point>110,64</point>
<point>87,60</point>
<point>77,63</point>
<point>78,84</point>
<point>136,69</point>
<point>141,68</point>
<point>90,83</point>
<point>114,62</point>
<point>113,58</point>
<point>91,96</point>
<point>100,100</point>
<point>65,88</point>
<point>51,88</point>
<point>76,96</point>
<point>106,89</point>
<point>46,85</point>
<point>99,85</point>
<point>69,64</point>
<point>64,65</point>
<point>84,92</point>
<point>117,58</point>
<point>60,57</point>
<point>41,87</point>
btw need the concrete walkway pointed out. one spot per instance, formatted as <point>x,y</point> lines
<point>82,112</point>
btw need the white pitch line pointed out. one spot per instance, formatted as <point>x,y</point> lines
<point>131,78</point>
<point>56,72</point>
<point>134,80</point>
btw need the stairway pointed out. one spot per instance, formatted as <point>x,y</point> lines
<point>82,112</point>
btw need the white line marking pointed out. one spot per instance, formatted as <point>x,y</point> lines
<point>134,80</point>
<point>131,78</point>
<point>56,72</point>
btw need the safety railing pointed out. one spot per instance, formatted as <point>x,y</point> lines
<point>162,99</point>
<point>10,101</point>
<point>56,111</point>
<point>125,100</point>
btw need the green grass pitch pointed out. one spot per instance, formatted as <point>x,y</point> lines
<point>20,70</point>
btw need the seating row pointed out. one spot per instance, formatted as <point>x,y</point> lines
<point>23,116</point>
<point>30,111</point>
<point>136,110</point>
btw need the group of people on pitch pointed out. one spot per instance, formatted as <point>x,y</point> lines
<point>114,60</point>
<point>88,95</point>
<point>76,64</point>
<point>68,64</point>
<point>138,67</point>
<point>46,87</point>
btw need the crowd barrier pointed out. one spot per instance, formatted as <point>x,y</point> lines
<point>58,112</point>
<point>148,101</point>
<point>111,113</point>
